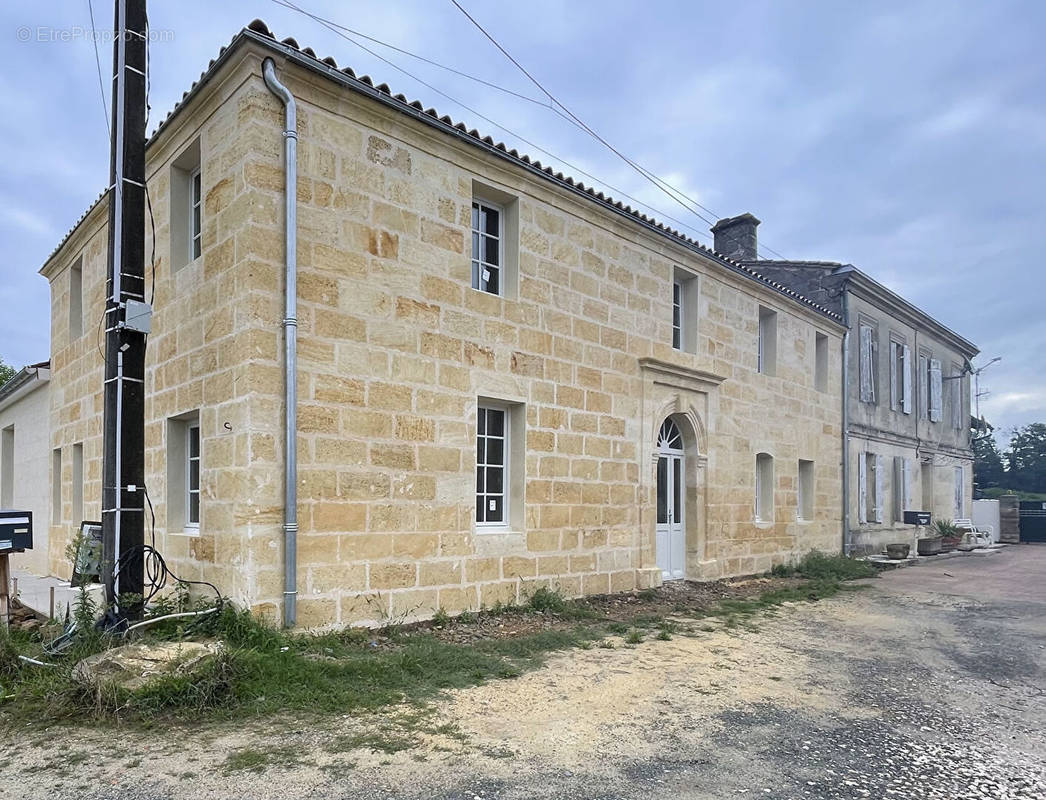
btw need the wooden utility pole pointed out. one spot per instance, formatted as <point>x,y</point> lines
<point>123,464</point>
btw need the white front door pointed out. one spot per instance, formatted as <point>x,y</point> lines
<point>671,529</point>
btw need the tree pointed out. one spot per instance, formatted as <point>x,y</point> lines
<point>1026,458</point>
<point>6,372</point>
<point>988,470</point>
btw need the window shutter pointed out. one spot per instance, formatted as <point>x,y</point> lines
<point>895,378</point>
<point>906,485</point>
<point>906,380</point>
<point>960,511</point>
<point>879,488</point>
<point>935,390</point>
<point>924,387</point>
<point>867,389</point>
<point>957,401</point>
<point>898,488</point>
<point>862,488</point>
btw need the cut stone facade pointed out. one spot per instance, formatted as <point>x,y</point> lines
<point>397,352</point>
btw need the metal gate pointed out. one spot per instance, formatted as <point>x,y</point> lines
<point>1033,521</point>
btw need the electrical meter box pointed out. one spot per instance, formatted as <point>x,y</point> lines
<point>16,530</point>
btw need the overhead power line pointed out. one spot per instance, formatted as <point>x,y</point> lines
<point>660,183</point>
<point>340,31</point>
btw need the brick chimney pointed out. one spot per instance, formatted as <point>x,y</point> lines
<point>735,237</point>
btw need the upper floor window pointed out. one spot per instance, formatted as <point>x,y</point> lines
<point>767,341</point>
<point>866,361</point>
<point>820,362</point>
<point>195,227</point>
<point>684,310</point>
<point>487,234</point>
<point>677,315</point>
<point>76,299</point>
<point>900,377</point>
<point>186,205</point>
<point>935,381</point>
<point>959,413</point>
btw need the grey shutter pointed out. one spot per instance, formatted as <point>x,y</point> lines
<point>895,378</point>
<point>960,510</point>
<point>957,400</point>
<point>906,380</point>
<point>924,387</point>
<point>867,388</point>
<point>906,485</point>
<point>862,488</point>
<point>935,390</point>
<point>878,511</point>
<point>898,488</point>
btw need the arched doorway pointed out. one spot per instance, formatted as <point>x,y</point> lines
<point>671,492</point>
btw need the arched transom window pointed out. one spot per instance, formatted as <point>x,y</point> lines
<point>669,439</point>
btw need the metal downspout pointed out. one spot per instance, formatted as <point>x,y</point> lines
<point>846,422</point>
<point>290,364</point>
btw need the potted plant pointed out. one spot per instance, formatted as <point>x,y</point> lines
<point>898,552</point>
<point>949,534</point>
<point>929,546</point>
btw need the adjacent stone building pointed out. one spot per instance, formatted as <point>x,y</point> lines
<point>907,387</point>
<point>506,379</point>
<point>24,450</point>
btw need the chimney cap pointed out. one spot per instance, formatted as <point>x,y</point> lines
<point>730,222</point>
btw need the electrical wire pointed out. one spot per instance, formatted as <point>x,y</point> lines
<point>660,183</point>
<point>471,110</point>
<point>460,73</point>
<point>98,64</point>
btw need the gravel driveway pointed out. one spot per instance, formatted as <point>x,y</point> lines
<point>930,683</point>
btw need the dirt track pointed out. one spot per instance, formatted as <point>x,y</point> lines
<point>928,684</point>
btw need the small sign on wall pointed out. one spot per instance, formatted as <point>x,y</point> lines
<point>916,517</point>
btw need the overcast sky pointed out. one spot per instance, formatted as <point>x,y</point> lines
<point>907,138</point>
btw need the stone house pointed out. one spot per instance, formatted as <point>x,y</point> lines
<point>907,389</point>
<point>505,379</point>
<point>24,448</point>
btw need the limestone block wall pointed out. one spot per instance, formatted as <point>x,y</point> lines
<point>396,352</point>
<point>26,420</point>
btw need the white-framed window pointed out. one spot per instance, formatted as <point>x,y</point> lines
<point>192,476</point>
<point>767,341</point>
<point>487,247</point>
<point>764,487</point>
<point>677,315</point>
<point>78,484</point>
<point>805,502</point>
<point>184,465</point>
<point>76,299</point>
<point>195,215</point>
<point>866,361</point>
<point>186,207</point>
<point>493,443</point>
<point>820,362</point>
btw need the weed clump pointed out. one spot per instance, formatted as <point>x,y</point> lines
<point>818,566</point>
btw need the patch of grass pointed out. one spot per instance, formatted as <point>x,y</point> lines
<point>374,741</point>
<point>441,617</point>
<point>635,636</point>
<point>647,594</point>
<point>818,566</point>
<point>250,759</point>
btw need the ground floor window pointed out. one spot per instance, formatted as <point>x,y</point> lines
<point>764,487</point>
<point>805,500</point>
<point>184,464</point>
<point>492,446</point>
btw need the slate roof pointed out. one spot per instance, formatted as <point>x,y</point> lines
<point>259,32</point>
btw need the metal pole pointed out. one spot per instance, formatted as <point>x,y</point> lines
<point>123,458</point>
